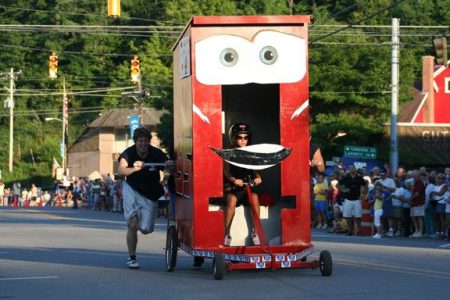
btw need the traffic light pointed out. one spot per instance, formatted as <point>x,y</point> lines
<point>114,8</point>
<point>135,69</point>
<point>53,66</point>
<point>440,46</point>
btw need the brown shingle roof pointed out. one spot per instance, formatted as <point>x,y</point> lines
<point>119,117</point>
<point>115,118</point>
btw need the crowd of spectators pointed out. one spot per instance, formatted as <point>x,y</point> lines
<point>413,203</point>
<point>101,194</point>
<point>406,203</point>
<point>97,194</point>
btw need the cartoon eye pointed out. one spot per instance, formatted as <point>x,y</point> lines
<point>268,55</point>
<point>229,57</point>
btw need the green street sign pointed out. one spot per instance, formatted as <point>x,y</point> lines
<point>360,152</point>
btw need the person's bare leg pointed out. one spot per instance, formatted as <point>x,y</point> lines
<point>257,205</point>
<point>132,237</point>
<point>229,212</point>
<point>420,223</point>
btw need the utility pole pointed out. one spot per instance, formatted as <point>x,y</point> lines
<point>11,116</point>
<point>141,98</point>
<point>139,95</point>
<point>394,96</point>
<point>65,125</point>
<point>290,4</point>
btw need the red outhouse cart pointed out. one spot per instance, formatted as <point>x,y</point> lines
<point>251,69</point>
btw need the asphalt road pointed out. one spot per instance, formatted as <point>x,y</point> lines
<point>60,253</point>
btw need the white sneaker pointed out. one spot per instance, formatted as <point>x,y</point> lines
<point>325,226</point>
<point>319,225</point>
<point>376,236</point>
<point>390,232</point>
<point>414,235</point>
<point>397,233</point>
<point>133,263</point>
<point>419,235</point>
<point>227,240</point>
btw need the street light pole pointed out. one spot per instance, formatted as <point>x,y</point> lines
<point>11,118</point>
<point>65,122</point>
<point>63,147</point>
<point>393,155</point>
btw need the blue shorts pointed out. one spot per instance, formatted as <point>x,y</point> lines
<point>440,209</point>
<point>321,205</point>
<point>387,208</point>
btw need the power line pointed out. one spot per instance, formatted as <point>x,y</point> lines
<point>77,93</point>
<point>51,112</point>
<point>79,52</point>
<point>78,14</point>
<point>134,28</point>
<point>342,11</point>
<point>384,26</point>
<point>357,22</point>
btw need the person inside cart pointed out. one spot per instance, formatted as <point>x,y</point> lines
<point>235,179</point>
<point>141,189</point>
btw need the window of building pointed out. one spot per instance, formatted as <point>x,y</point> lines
<point>121,136</point>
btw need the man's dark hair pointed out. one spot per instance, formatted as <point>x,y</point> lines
<point>141,132</point>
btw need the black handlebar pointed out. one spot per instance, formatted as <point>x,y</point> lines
<point>249,181</point>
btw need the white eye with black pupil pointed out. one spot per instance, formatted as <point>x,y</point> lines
<point>229,57</point>
<point>268,55</point>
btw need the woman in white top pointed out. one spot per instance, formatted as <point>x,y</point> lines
<point>395,220</point>
<point>439,195</point>
<point>430,208</point>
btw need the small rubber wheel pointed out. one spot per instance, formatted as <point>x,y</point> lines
<point>171,248</point>
<point>325,263</point>
<point>218,266</point>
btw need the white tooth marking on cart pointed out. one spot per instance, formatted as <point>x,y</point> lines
<point>199,113</point>
<point>280,258</point>
<point>299,110</point>
<point>291,258</point>
<point>260,265</point>
<point>255,259</point>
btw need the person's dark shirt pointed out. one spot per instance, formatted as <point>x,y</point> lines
<point>238,173</point>
<point>419,188</point>
<point>146,181</point>
<point>242,173</point>
<point>354,185</point>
